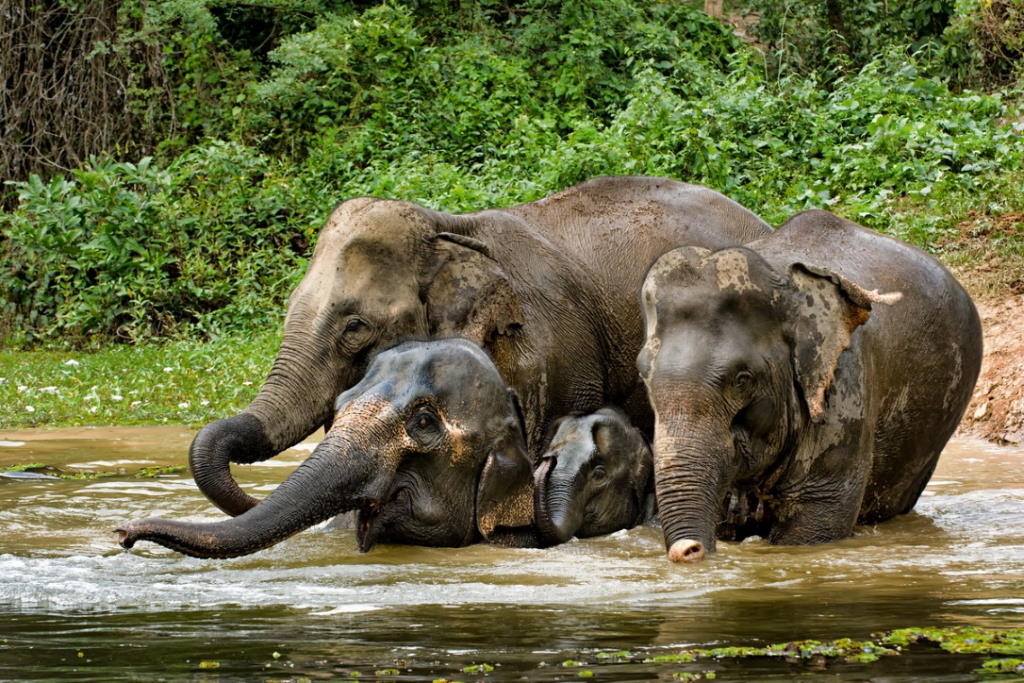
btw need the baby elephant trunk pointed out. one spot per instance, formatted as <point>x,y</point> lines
<point>557,506</point>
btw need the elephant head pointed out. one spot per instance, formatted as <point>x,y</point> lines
<point>429,447</point>
<point>381,271</point>
<point>739,357</point>
<point>593,479</point>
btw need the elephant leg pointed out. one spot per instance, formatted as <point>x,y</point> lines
<point>823,505</point>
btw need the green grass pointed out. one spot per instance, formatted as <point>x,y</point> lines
<point>186,382</point>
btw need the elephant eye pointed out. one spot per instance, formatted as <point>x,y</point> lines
<point>743,380</point>
<point>353,325</point>
<point>355,334</point>
<point>599,473</point>
<point>424,427</point>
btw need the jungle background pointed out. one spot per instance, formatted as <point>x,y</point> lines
<point>167,164</point>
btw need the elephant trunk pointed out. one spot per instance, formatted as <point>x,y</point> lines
<point>691,462</point>
<point>337,477</point>
<point>557,508</point>
<point>294,401</point>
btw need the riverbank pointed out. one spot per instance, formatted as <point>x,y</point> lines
<point>178,382</point>
<point>191,383</point>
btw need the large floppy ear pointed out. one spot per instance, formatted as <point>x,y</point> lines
<point>829,308</point>
<point>504,496</point>
<point>468,293</point>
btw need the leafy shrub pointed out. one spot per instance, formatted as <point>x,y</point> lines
<point>486,106</point>
<point>129,251</point>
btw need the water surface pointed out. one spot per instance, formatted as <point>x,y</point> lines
<point>74,605</point>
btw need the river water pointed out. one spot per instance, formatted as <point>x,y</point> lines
<point>74,605</point>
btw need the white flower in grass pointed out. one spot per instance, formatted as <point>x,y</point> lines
<point>72,362</point>
<point>183,405</point>
<point>136,404</point>
<point>116,397</point>
<point>48,390</point>
<point>29,409</point>
<point>204,403</point>
<point>168,369</point>
<point>21,388</point>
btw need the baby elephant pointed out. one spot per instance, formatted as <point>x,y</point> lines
<point>595,478</point>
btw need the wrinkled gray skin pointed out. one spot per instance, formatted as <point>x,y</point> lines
<point>594,478</point>
<point>801,385</point>
<point>428,447</point>
<point>550,289</point>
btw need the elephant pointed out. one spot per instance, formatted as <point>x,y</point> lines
<point>803,383</point>
<point>550,289</point>
<point>429,447</point>
<point>594,478</point>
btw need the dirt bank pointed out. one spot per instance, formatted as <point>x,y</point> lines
<point>996,411</point>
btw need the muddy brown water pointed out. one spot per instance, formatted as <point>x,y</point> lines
<point>73,605</point>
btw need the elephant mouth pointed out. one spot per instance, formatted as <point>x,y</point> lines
<point>372,521</point>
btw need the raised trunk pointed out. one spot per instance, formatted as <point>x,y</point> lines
<point>337,477</point>
<point>557,511</point>
<point>295,400</point>
<point>691,463</point>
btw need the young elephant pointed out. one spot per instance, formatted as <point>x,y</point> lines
<point>429,447</point>
<point>814,376</point>
<point>594,478</point>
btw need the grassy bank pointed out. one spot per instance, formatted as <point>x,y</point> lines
<point>186,382</point>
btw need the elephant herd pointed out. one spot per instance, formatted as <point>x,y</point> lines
<point>627,349</point>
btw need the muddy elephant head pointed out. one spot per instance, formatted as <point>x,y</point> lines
<point>738,358</point>
<point>381,271</point>
<point>593,479</point>
<point>429,447</point>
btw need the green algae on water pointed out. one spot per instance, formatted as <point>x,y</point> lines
<point>960,640</point>
<point>149,472</point>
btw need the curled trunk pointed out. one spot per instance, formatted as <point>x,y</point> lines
<point>337,477</point>
<point>294,401</point>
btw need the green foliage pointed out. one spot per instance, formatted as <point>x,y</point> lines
<point>132,251</point>
<point>286,108</point>
<point>962,640</point>
<point>838,35</point>
<point>970,42</point>
<point>150,472</point>
<point>1005,665</point>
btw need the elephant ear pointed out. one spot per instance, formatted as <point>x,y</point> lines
<point>643,465</point>
<point>468,293</point>
<point>829,309</point>
<point>504,497</point>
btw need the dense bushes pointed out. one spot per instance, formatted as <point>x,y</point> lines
<point>287,109</point>
<point>130,251</point>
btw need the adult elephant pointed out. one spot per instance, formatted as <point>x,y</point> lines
<point>803,383</point>
<point>428,446</point>
<point>549,288</point>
